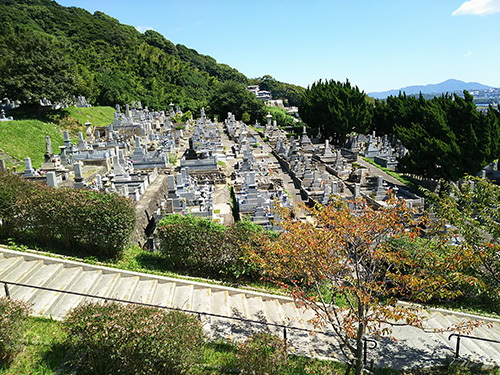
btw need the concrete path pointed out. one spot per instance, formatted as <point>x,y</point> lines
<point>414,348</point>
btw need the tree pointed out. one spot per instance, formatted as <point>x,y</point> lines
<point>336,109</point>
<point>345,263</point>
<point>473,208</point>
<point>235,98</point>
<point>34,66</point>
<point>446,136</point>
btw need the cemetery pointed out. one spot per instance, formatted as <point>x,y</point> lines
<point>223,172</point>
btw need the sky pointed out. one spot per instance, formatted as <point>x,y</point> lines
<point>377,45</point>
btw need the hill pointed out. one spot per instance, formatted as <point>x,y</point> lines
<point>53,51</point>
<point>56,52</point>
<point>450,85</point>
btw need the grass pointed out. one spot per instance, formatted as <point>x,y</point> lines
<point>44,350</point>
<point>45,353</point>
<point>25,137</point>
<point>98,116</point>
<point>396,175</point>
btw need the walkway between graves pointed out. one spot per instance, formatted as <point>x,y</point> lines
<point>249,311</point>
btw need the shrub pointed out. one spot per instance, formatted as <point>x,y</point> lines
<point>12,189</point>
<point>112,338</point>
<point>13,315</point>
<point>194,244</point>
<point>208,249</point>
<point>263,353</point>
<point>96,222</point>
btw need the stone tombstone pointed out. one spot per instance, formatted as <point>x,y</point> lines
<point>334,187</point>
<point>171,182</point>
<point>51,179</point>
<point>78,171</point>
<point>3,167</point>
<point>357,190</point>
<point>98,179</point>
<point>28,171</point>
<point>48,149</point>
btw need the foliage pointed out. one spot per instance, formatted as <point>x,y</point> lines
<point>94,55</point>
<point>473,209</point>
<point>281,117</point>
<point>130,339</point>
<point>235,98</point>
<point>92,221</point>
<point>344,253</point>
<point>263,353</point>
<point>13,316</point>
<point>34,66</point>
<point>336,109</point>
<point>291,94</point>
<point>208,249</point>
<point>446,136</point>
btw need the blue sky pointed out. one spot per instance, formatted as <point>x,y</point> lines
<point>377,45</point>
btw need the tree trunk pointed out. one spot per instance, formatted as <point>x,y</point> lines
<point>359,350</point>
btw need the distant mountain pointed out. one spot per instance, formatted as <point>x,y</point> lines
<point>451,85</point>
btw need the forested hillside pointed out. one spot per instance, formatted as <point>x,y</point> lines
<point>53,51</point>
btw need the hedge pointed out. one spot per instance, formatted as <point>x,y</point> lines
<point>98,223</point>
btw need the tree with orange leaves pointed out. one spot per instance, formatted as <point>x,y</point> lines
<point>344,262</point>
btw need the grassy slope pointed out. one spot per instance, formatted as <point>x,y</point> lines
<point>26,138</point>
<point>98,116</point>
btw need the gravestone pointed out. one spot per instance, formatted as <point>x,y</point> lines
<point>52,179</point>
<point>28,171</point>
<point>79,181</point>
<point>49,155</point>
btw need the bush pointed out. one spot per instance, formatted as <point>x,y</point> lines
<point>263,353</point>
<point>194,244</point>
<point>13,315</point>
<point>129,339</point>
<point>208,249</point>
<point>93,221</point>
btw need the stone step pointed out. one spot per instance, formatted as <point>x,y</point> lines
<point>18,272</point>
<point>163,294</point>
<point>201,303</point>
<point>482,351</point>
<point>125,287</point>
<point>103,287</point>
<point>145,290</point>
<point>43,300</point>
<point>66,302</point>
<point>240,329</point>
<point>182,297</point>
<point>8,263</point>
<point>39,277</point>
<point>219,304</point>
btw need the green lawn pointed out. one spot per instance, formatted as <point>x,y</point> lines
<point>26,138</point>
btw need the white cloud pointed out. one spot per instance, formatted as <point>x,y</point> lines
<point>142,29</point>
<point>468,54</point>
<point>478,7</point>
